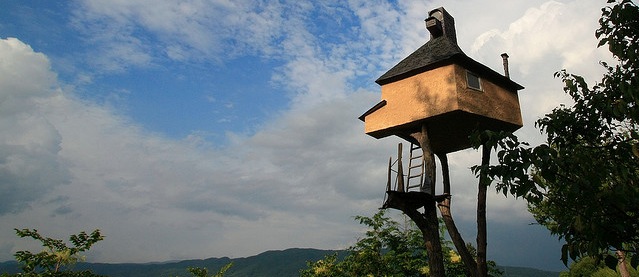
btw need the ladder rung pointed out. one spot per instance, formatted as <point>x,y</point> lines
<point>416,167</point>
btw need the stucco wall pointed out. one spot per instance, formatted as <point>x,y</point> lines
<point>412,99</point>
<point>442,99</point>
<point>492,101</point>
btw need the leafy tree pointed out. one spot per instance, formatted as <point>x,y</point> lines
<point>57,257</point>
<point>204,272</point>
<point>455,267</point>
<point>327,267</point>
<point>591,267</point>
<point>583,182</point>
<point>389,248</point>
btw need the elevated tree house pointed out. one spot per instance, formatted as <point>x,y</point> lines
<point>435,99</point>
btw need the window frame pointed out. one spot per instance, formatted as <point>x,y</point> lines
<point>468,83</point>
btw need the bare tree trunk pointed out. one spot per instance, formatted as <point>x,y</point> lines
<point>455,236</point>
<point>428,157</point>
<point>623,269</point>
<point>484,182</point>
<point>430,225</point>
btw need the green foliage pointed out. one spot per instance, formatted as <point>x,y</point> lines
<point>592,267</point>
<point>57,257</point>
<point>387,249</point>
<point>198,271</point>
<point>204,272</point>
<point>583,183</point>
<point>327,267</point>
<point>455,267</point>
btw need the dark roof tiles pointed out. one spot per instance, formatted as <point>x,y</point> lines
<point>434,51</point>
<point>438,52</point>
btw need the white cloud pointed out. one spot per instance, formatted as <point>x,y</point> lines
<point>124,180</point>
<point>30,166</point>
<point>563,31</point>
<point>545,39</point>
<point>142,33</point>
<point>21,64</point>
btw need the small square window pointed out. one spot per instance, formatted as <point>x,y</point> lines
<point>473,80</point>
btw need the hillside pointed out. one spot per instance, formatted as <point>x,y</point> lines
<point>275,263</point>
<point>270,263</point>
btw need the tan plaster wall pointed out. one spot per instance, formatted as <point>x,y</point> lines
<point>415,98</point>
<point>492,101</point>
<point>438,92</point>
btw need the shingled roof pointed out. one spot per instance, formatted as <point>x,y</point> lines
<point>431,54</point>
<point>442,49</point>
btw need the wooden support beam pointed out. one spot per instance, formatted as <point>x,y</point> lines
<point>429,159</point>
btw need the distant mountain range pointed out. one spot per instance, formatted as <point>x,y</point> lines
<point>275,263</point>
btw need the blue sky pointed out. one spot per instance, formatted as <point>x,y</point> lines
<point>194,129</point>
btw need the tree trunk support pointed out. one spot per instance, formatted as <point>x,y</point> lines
<point>428,221</point>
<point>444,208</point>
<point>484,182</point>
<point>623,269</point>
<point>409,202</point>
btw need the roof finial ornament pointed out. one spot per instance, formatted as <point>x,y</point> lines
<point>441,23</point>
<point>434,26</point>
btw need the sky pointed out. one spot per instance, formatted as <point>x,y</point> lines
<point>195,129</point>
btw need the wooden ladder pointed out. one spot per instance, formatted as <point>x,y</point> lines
<point>415,168</point>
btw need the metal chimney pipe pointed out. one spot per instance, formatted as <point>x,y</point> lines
<point>504,57</point>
